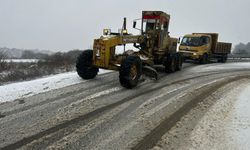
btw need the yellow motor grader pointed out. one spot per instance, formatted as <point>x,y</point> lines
<point>154,47</point>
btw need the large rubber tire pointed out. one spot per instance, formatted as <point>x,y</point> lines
<point>84,65</point>
<point>130,72</point>
<point>179,62</point>
<point>170,65</point>
<point>219,60</point>
<point>224,59</point>
<point>203,59</point>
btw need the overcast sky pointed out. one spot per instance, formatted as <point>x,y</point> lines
<point>62,25</point>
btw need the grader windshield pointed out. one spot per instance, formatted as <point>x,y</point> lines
<point>154,21</point>
<point>150,24</point>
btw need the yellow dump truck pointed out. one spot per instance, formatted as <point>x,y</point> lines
<point>203,47</point>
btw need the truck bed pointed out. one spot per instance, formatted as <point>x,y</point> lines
<point>222,48</point>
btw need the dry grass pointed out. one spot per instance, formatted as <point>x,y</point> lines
<point>54,64</point>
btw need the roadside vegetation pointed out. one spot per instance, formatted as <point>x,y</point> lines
<point>11,71</point>
<point>49,64</point>
<point>240,53</point>
<point>3,63</point>
<point>242,49</point>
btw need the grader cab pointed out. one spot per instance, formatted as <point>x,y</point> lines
<point>154,47</point>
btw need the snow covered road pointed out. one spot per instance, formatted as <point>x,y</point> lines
<point>221,121</point>
<point>183,110</point>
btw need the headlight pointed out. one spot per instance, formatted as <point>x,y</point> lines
<point>106,31</point>
<point>125,31</point>
<point>194,54</point>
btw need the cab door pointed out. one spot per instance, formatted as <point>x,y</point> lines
<point>205,44</point>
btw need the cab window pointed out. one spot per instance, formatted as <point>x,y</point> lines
<point>205,40</point>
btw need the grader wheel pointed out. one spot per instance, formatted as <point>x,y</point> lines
<point>130,72</point>
<point>84,65</point>
<point>170,65</point>
<point>179,61</point>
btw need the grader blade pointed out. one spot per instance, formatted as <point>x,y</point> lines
<point>150,72</point>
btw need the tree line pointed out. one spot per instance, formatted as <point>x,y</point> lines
<point>242,49</point>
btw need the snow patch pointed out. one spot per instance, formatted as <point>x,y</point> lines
<point>22,60</point>
<point>99,94</point>
<point>240,120</point>
<point>24,89</point>
<point>218,67</point>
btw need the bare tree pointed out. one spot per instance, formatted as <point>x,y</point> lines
<point>241,48</point>
<point>3,63</point>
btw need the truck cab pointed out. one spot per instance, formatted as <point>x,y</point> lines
<point>155,26</point>
<point>155,23</point>
<point>195,46</point>
<point>202,47</point>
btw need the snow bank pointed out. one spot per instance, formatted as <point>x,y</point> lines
<point>22,60</point>
<point>18,90</point>
<point>240,120</point>
<point>221,67</point>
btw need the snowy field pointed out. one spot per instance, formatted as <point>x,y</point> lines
<point>22,60</point>
<point>238,58</point>
<point>18,90</point>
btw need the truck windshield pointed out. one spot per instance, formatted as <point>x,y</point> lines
<point>191,41</point>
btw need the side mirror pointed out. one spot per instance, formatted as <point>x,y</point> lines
<point>134,24</point>
<point>179,40</point>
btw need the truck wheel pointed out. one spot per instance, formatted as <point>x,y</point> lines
<point>224,59</point>
<point>219,60</point>
<point>84,65</point>
<point>179,61</point>
<point>130,72</point>
<point>203,59</point>
<point>170,66</point>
